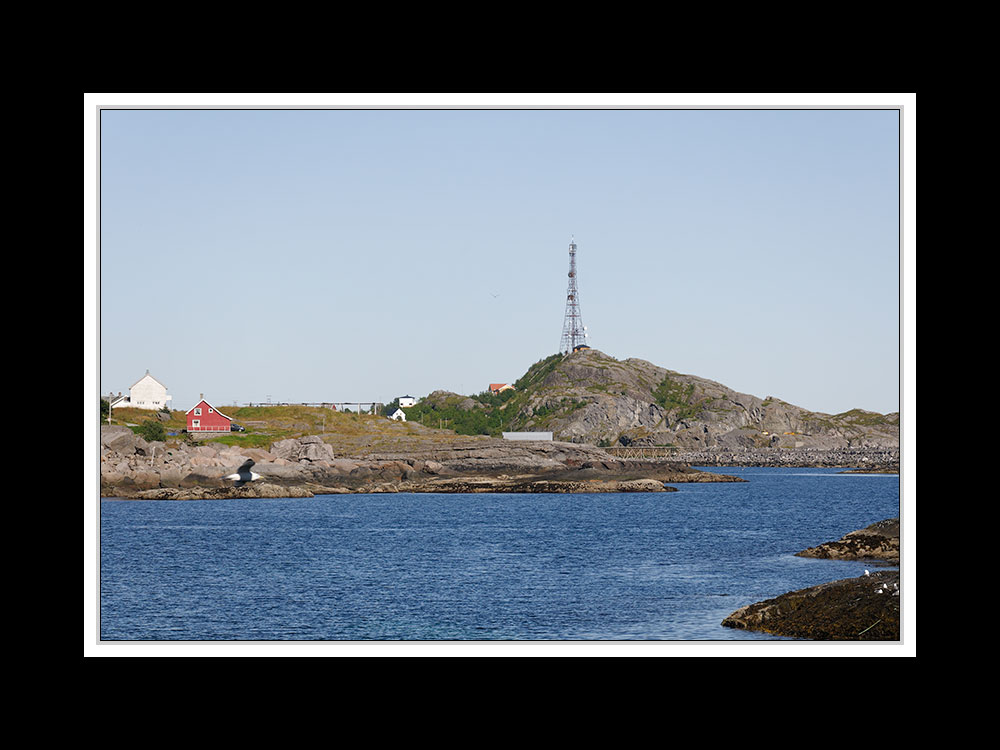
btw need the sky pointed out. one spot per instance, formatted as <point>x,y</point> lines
<point>363,253</point>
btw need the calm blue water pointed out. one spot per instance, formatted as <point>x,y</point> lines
<point>664,566</point>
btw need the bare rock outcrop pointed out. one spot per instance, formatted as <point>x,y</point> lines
<point>865,608</point>
<point>131,467</point>
<point>256,490</point>
<point>308,448</point>
<point>880,541</point>
<point>591,397</point>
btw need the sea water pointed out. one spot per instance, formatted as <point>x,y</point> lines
<point>479,567</point>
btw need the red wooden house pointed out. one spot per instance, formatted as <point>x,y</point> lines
<point>203,417</point>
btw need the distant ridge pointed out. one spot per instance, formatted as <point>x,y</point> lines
<point>588,396</point>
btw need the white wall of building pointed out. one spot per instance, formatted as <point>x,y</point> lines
<point>148,393</point>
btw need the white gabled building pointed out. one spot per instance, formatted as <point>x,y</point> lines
<point>399,415</point>
<point>407,401</point>
<point>147,393</point>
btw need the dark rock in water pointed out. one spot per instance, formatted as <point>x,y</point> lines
<point>855,609</point>
<point>533,484</point>
<point>249,491</point>
<point>880,541</point>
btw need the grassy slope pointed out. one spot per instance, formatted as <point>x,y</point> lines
<point>349,434</point>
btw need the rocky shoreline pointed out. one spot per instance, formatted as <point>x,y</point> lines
<point>302,467</point>
<point>870,459</point>
<point>866,608</point>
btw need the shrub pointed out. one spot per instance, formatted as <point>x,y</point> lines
<point>152,430</point>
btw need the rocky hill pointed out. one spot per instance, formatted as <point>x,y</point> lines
<point>590,397</point>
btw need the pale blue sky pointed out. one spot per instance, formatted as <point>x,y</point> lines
<point>343,255</point>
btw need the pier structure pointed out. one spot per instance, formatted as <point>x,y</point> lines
<point>640,452</point>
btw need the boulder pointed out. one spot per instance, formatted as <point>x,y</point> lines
<point>121,440</point>
<point>309,448</point>
<point>286,449</point>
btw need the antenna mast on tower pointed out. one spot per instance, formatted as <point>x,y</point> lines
<point>574,333</point>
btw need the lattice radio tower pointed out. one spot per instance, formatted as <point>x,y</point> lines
<point>574,332</point>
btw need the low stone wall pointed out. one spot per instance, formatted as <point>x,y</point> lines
<point>875,458</point>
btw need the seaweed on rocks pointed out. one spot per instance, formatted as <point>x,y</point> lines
<point>865,608</point>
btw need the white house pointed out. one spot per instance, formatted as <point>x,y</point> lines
<point>399,415</point>
<point>407,401</point>
<point>147,393</point>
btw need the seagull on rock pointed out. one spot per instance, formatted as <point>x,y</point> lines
<point>243,474</point>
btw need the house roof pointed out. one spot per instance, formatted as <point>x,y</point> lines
<point>494,386</point>
<point>147,375</point>
<point>203,401</point>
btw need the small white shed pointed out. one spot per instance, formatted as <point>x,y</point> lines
<point>399,415</point>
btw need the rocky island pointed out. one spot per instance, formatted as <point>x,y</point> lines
<point>865,608</point>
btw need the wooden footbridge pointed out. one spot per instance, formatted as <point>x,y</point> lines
<point>627,452</point>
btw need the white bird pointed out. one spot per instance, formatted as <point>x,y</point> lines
<point>243,474</point>
<point>866,572</point>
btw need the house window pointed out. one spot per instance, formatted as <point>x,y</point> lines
<point>197,411</point>
<point>196,423</point>
<point>210,410</point>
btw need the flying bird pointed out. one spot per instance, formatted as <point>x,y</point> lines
<point>243,474</point>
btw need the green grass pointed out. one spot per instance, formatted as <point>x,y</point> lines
<point>865,418</point>
<point>347,433</point>
<point>246,440</point>
<point>676,397</point>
